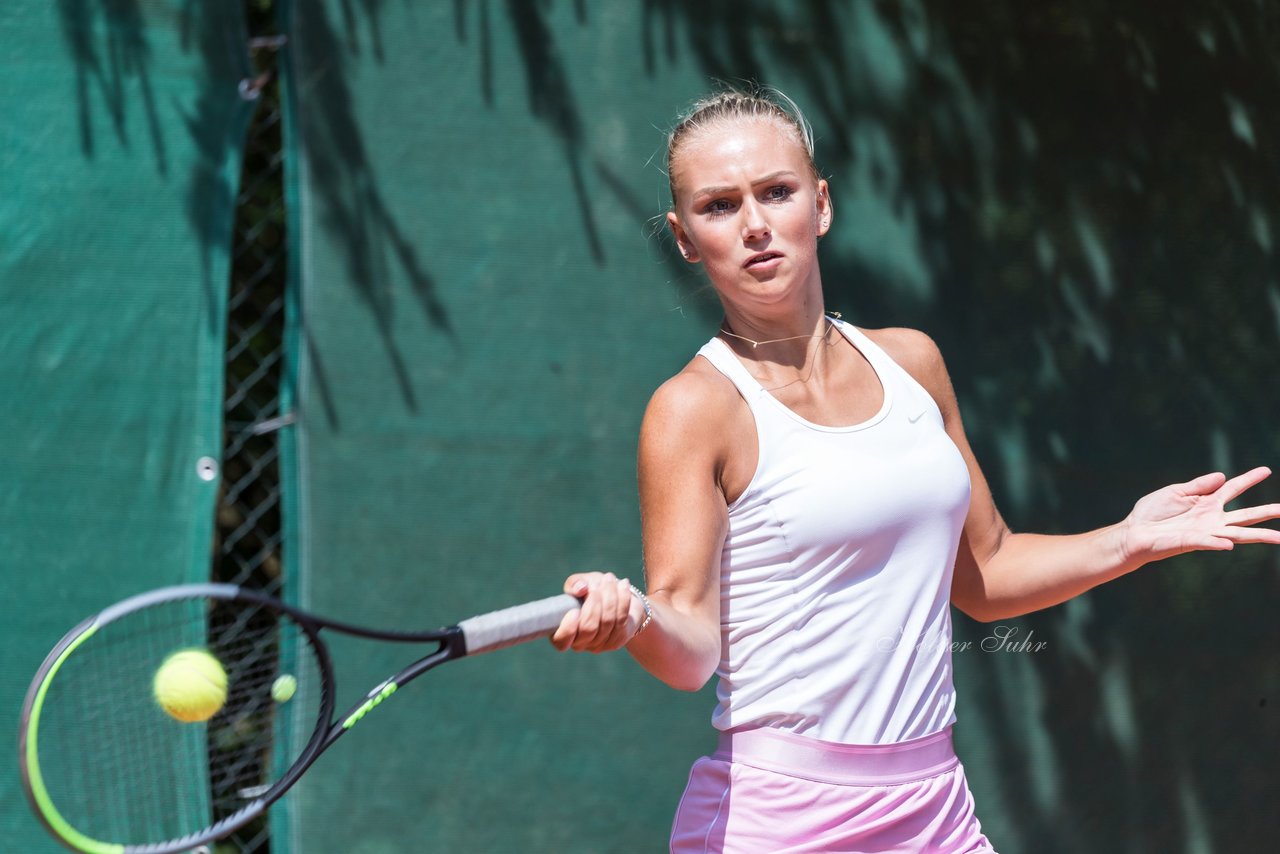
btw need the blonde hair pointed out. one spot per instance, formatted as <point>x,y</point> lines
<point>758,102</point>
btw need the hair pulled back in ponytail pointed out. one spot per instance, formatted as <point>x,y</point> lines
<point>755,103</point>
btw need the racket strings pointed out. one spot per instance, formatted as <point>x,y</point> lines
<point>242,736</point>
<point>105,771</point>
<point>118,768</point>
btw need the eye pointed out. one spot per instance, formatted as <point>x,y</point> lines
<point>779,193</point>
<point>719,207</point>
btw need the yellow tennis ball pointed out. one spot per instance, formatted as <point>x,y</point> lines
<point>191,685</point>
<point>283,688</point>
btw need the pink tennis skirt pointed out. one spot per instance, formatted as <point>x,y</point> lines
<point>765,791</point>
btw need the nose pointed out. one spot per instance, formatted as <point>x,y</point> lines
<point>754,225</point>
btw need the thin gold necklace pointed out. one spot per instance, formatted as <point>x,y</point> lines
<point>754,344</point>
<point>813,362</point>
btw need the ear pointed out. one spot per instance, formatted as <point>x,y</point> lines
<point>682,238</point>
<point>826,209</point>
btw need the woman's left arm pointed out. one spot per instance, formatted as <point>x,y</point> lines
<point>1001,574</point>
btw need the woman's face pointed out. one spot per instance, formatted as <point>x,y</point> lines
<point>749,209</point>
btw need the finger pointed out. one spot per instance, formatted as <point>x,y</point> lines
<point>1253,515</point>
<point>1240,483</point>
<point>1203,485</point>
<point>588,620</point>
<point>564,634</point>
<point>607,599</point>
<point>595,622</point>
<point>576,584</point>
<point>621,616</point>
<point>1252,535</point>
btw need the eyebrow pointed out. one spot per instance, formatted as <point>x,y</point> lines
<point>772,176</point>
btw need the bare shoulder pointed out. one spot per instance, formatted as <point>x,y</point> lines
<point>919,355</point>
<point>692,402</point>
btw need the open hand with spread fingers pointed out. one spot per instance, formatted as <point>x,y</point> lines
<point>1192,516</point>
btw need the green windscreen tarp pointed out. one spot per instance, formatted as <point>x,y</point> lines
<point>1078,203</point>
<point>1080,211</point>
<point>120,131</point>
<point>483,317</point>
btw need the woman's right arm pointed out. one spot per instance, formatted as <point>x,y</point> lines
<point>683,520</point>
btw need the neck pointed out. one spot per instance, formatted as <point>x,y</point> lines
<point>796,323</point>
<point>800,359</point>
<point>795,351</point>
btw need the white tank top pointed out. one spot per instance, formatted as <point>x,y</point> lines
<point>835,579</point>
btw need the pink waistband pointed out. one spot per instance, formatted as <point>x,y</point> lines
<point>832,762</point>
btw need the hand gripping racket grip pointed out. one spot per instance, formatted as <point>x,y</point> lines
<point>517,624</point>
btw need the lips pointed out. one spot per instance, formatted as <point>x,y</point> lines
<point>761,258</point>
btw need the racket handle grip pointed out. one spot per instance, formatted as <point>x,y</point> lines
<point>517,624</point>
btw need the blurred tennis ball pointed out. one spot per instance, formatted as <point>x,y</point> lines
<point>191,685</point>
<point>283,688</point>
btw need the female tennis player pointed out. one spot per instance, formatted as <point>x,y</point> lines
<point>811,509</point>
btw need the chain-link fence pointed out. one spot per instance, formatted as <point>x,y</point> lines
<point>248,547</point>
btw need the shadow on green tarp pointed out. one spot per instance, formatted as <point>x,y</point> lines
<point>1078,202</point>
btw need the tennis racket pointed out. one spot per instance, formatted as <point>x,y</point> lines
<point>109,771</point>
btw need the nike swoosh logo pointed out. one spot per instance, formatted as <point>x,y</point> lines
<point>914,418</point>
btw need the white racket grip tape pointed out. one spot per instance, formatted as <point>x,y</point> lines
<point>516,624</point>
